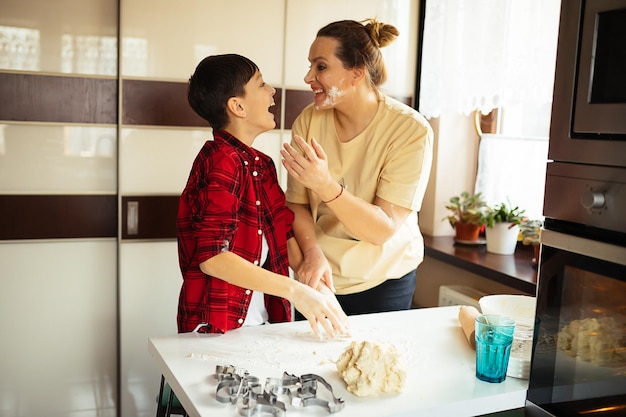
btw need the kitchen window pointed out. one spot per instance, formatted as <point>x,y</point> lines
<point>482,55</point>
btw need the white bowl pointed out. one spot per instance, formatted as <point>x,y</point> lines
<point>513,306</point>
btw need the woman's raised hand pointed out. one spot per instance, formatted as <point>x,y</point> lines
<point>309,167</point>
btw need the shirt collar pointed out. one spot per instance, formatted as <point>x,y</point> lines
<point>239,145</point>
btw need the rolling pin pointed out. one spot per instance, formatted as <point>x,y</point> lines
<point>467,317</point>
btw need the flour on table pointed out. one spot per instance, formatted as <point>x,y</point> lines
<point>369,368</point>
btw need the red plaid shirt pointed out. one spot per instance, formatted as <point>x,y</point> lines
<point>232,198</point>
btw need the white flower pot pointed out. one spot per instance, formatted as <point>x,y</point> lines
<point>502,238</point>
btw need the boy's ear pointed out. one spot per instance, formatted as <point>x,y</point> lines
<point>234,106</point>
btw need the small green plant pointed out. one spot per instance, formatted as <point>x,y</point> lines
<point>467,208</point>
<point>530,231</point>
<point>503,213</point>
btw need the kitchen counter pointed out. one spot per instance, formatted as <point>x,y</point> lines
<point>439,362</point>
<point>516,271</point>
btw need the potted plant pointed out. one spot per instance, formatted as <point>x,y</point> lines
<point>530,234</point>
<point>467,215</point>
<point>502,230</point>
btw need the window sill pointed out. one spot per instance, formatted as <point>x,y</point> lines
<point>516,271</point>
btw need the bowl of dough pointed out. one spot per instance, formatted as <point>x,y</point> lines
<point>520,308</point>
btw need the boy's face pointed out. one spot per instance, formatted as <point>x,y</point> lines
<point>257,101</point>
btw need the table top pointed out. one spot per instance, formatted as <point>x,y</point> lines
<point>440,365</point>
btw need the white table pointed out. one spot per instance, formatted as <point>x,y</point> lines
<point>440,366</point>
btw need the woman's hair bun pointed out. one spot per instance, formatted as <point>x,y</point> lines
<point>382,34</point>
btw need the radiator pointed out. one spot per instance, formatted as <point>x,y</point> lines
<point>453,295</point>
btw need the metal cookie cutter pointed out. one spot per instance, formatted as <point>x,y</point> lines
<point>261,404</point>
<point>282,386</point>
<point>222,371</point>
<point>307,394</point>
<point>236,386</point>
<point>235,383</point>
<point>302,391</point>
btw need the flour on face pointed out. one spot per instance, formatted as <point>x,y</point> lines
<point>332,95</point>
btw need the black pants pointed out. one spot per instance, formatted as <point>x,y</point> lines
<point>391,295</point>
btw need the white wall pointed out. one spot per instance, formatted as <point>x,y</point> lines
<point>454,170</point>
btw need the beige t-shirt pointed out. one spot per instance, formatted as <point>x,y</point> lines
<point>391,159</point>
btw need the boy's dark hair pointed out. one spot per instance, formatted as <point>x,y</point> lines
<point>216,79</point>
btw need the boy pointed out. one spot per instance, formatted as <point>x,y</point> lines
<point>234,228</point>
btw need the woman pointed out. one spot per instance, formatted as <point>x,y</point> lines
<point>235,240</point>
<point>359,163</point>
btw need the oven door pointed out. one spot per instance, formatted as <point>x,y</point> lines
<point>579,353</point>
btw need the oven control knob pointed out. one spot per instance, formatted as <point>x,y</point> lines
<point>593,199</point>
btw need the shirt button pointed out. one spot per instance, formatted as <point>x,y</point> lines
<point>245,162</point>
<point>248,291</point>
<point>258,203</point>
<point>255,173</point>
<point>240,321</point>
<point>256,158</point>
<point>260,231</point>
<point>256,262</point>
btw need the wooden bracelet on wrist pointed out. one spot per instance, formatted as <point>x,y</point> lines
<point>336,197</point>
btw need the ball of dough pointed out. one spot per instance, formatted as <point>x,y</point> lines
<point>595,340</point>
<point>369,368</point>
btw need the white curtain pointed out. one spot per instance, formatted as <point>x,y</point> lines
<point>484,54</point>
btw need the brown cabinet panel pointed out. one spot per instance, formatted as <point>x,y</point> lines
<point>57,216</point>
<point>58,99</point>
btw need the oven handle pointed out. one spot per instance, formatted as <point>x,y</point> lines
<point>587,247</point>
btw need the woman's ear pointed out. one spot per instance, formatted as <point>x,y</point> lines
<point>234,106</point>
<point>358,73</point>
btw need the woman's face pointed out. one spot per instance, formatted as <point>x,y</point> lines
<point>328,78</point>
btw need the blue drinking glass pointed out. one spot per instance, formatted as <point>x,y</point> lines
<point>494,336</point>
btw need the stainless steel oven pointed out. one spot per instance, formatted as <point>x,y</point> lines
<point>578,366</point>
